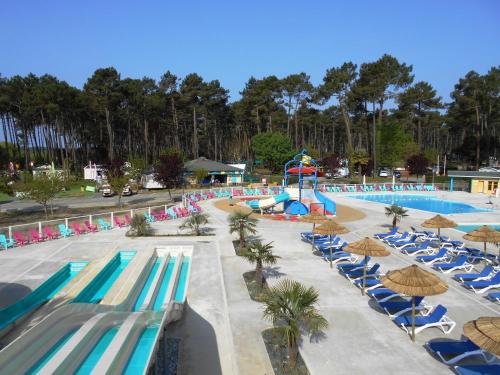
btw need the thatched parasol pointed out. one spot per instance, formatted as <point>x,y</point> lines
<point>314,219</point>
<point>330,228</point>
<point>414,281</point>
<point>439,222</point>
<point>485,333</point>
<point>483,234</point>
<point>366,247</point>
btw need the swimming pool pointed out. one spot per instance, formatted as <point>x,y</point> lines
<point>421,202</point>
<point>471,227</point>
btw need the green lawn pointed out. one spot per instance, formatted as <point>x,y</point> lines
<point>5,197</point>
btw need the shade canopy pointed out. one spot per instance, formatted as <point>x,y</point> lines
<point>483,234</point>
<point>330,227</point>
<point>414,281</point>
<point>367,247</point>
<point>439,221</point>
<point>314,219</point>
<point>485,333</point>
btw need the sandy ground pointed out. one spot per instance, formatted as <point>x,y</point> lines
<point>344,213</point>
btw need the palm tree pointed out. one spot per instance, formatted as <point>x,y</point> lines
<point>260,254</point>
<point>194,222</point>
<point>243,224</point>
<point>397,213</point>
<point>291,307</point>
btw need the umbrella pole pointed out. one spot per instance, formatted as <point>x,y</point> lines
<point>413,318</point>
<point>313,236</point>
<point>364,278</point>
<point>439,237</point>
<point>484,250</point>
<point>331,265</point>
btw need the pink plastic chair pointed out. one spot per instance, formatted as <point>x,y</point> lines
<point>36,237</point>
<point>76,227</point>
<point>20,240</point>
<point>50,234</point>
<point>127,219</point>
<point>118,222</point>
<point>90,227</point>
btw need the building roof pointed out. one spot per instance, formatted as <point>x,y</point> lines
<point>208,165</point>
<point>474,174</point>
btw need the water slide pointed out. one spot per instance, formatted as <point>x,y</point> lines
<point>85,338</point>
<point>11,314</point>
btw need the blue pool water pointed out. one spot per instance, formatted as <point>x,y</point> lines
<point>42,294</point>
<point>140,354</point>
<point>50,353</point>
<point>471,227</point>
<point>96,353</point>
<point>421,202</point>
<point>147,285</point>
<point>95,291</point>
<point>181,285</point>
<point>160,298</point>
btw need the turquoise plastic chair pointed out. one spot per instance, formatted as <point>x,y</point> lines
<point>6,242</point>
<point>65,231</point>
<point>172,213</point>
<point>149,218</point>
<point>103,225</point>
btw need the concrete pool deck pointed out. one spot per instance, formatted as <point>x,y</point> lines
<point>221,328</point>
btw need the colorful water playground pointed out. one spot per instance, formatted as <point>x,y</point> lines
<point>102,316</point>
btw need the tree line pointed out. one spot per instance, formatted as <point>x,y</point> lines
<point>375,110</point>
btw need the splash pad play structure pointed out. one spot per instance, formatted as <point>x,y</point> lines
<point>300,199</point>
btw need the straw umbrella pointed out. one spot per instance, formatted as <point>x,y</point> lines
<point>439,222</point>
<point>413,281</point>
<point>483,234</point>
<point>366,247</point>
<point>314,219</point>
<point>485,333</point>
<point>330,228</point>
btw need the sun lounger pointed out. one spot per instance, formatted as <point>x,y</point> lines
<point>400,244</point>
<point>482,286</point>
<point>347,267</point>
<point>371,282</point>
<point>430,259</point>
<point>389,240</point>
<point>437,318</point>
<point>453,351</point>
<point>492,369</point>
<point>420,233</point>
<point>422,248</point>
<point>400,307</point>
<point>494,296</point>
<point>459,264</point>
<point>340,256</point>
<point>382,294</point>
<point>483,275</point>
<point>6,242</point>
<point>354,274</point>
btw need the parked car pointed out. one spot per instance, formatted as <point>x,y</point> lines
<point>396,174</point>
<point>107,191</point>
<point>383,173</point>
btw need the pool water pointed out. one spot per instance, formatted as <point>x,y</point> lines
<point>471,227</point>
<point>140,354</point>
<point>421,202</point>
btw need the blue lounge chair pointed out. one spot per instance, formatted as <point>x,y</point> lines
<point>354,274</point>
<point>65,231</point>
<point>451,352</point>
<point>390,240</point>
<point>494,296</point>
<point>346,267</point>
<point>103,225</point>
<point>423,247</point>
<point>397,308</point>
<point>493,369</point>
<point>370,282</point>
<point>484,274</point>
<point>382,294</point>
<point>483,285</point>
<point>459,264</point>
<point>400,244</point>
<point>430,259</point>
<point>392,232</point>
<point>340,256</point>
<point>6,242</point>
<point>421,233</point>
<point>437,318</point>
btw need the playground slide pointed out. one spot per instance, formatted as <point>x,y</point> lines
<point>269,202</point>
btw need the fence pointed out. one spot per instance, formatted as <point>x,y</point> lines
<point>379,187</point>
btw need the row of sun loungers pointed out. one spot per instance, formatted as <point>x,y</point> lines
<point>375,187</point>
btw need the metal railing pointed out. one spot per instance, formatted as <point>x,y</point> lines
<point>381,187</point>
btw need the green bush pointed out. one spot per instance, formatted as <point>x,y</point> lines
<point>139,227</point>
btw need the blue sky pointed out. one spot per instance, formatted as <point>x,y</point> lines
<point>232,40</point>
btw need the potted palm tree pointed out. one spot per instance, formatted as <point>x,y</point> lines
<point>242,224</point>
<point>260,254</point>
<point>291,306</point>
<point>194,222</point>
<point>397,213</point>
